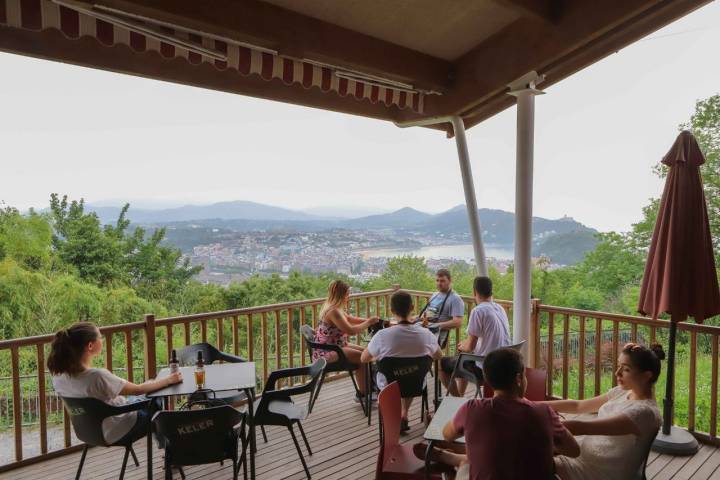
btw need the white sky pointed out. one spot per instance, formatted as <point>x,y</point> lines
<point>109,137</point>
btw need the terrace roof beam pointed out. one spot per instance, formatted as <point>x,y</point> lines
<point>294,35</point>
<point>546,10</point>
<point>584,32</point>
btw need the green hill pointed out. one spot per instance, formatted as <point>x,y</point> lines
<point>567,248</point>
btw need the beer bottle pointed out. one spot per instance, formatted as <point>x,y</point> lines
<point>200,372</point>
<point>174,364</point>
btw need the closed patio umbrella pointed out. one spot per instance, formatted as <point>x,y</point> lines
<point>680,277</point>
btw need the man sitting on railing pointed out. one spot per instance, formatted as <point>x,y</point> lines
<point>488,329</point>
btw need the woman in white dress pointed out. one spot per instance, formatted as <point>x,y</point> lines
<point>614,443</point>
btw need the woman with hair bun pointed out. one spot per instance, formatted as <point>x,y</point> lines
<point>70,363</point>
<point>628,419</point>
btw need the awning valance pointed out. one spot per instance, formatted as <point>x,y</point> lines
<point>76,20</point>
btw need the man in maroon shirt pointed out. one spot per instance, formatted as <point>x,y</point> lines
<point>507,436</point>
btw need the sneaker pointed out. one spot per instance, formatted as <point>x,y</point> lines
<point>404,426</point>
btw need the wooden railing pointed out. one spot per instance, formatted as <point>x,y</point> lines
<point>578,348</point>
<point>588,369</point>
<point>268,335</point>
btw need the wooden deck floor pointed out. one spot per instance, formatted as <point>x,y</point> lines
<point>344,448</point>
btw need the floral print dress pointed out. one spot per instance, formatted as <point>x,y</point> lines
<point>328,334</point>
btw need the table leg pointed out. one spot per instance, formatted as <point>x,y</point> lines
<point>368,392</point>
<point>149,453</point>
<point>251,423</point>
<point>428,450</point>
<point>436,381</point>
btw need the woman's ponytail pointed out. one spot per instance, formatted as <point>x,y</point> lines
<point>68,346</point>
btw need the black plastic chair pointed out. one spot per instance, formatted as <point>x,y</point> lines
<point>188,356</point>
<point>410,374</point>
<point>202,436</point>
<point>642,470</point>
<point>467,369</point>
<point>276,407</point>
<point>342,364</point>
<point>87,415</point>
<point>472,372</point>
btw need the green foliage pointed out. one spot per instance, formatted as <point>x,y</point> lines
<point>705,125</point>
<point>26,239</point>
<point>407,271</point>
<point>612,265</point>
<point>567,248</point>
<point>108,254</point>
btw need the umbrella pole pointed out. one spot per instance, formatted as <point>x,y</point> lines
<point>670,382</point>
<point>673,440</point>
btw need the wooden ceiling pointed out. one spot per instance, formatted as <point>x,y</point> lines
<point>463,52</point>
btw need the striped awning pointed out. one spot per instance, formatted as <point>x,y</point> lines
<point>76,20</point>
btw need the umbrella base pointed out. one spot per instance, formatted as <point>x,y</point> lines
<point>679,442</point>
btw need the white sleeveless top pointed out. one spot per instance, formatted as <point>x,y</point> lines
<point>604,457</point>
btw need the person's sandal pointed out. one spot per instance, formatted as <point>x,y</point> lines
<point>404,426</point>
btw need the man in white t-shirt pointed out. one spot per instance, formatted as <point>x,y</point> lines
<point>407,339</point>
<point>488,329</point>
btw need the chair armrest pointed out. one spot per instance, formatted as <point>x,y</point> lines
<point>227,357</point>
<point>330,348</point>
<point>281,394</point>
<point>285,373</point>
<point>132,407</point>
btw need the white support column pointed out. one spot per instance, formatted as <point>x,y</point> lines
<point>469,189</point>
<point>524,90</point>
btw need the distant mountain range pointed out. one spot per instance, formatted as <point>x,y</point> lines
<point>565,240</point>
<point>235,210</point>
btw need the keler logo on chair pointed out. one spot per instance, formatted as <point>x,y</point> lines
<point>195,427</point>
<point>399,372</point>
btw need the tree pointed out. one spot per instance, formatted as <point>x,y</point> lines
<point>407,271</point>
<point>27,239</point>
<point>612,265</point>
<point>705,125</point>
<point>109,254</point>
<point>81,243</point>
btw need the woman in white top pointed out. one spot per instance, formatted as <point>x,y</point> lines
<point>615,443</point>
<point>70,363</point>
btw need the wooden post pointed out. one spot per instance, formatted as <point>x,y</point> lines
<point>108,352</point>
<point>550,352</point>
<point>235,335</point>
<point>692,381</point>
<point>598,359</point>
<point>150,360</point>
<point>581,360</point>
<point>534,338</point>
<point>42,398</point>
<point>17,403</point>
<point>129,355</point>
